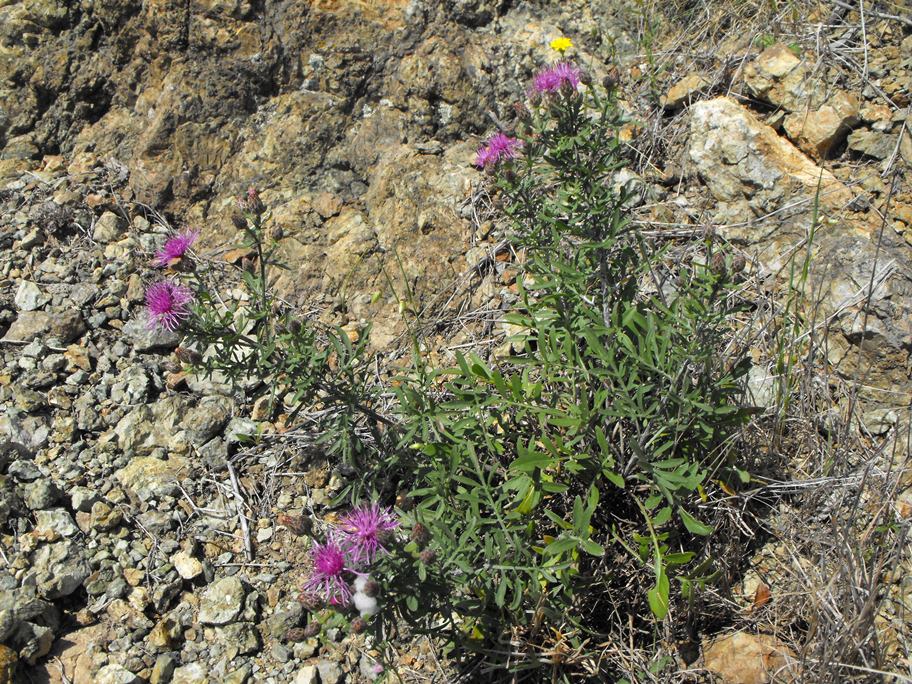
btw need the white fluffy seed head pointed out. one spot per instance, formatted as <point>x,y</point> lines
<point>366,605</point>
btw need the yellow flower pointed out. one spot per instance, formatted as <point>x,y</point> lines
<point>561,44</point>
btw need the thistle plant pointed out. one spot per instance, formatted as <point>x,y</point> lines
<point>527,477</point>
<point>617,406</point>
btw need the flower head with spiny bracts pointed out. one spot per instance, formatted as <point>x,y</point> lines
<point>175,248</point>
<point>326,579</point>
<point>167,304</point>
<point>552,79</point>
<point>499,146</point>
<point>362,531</point>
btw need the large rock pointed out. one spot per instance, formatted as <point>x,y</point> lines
<point>64,326</point>
<point>223,602</point>
<point>60,568</point>
<point>750,169</point>
<point>859,279</point>
<point>148,477</point>
<point>780,77</point>
<point>743,658</point>
<point>819,131</point>
<point>148,427</point>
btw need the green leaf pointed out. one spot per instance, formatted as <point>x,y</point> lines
<point>592,548</point>
<point>679,558</point>
<point>662,517</point>
<point>559,546</point>
<point>653,501</point>
<point>693,525</point>
<point>501,592</point>
<point>613,478</point>
<point>658,595</point>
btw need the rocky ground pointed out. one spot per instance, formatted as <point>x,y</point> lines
<point>125,480</point>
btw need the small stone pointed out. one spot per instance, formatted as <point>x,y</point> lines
<point>870,143</point>
<point>239,676</point>
<point>165,635</point>
<point>143,339</point>
<point>134,576</point>
<point>8,660</point>
<point>40,494</point>
<point>683,91</point>
<point>163,669</point>
<point>750,659</point>
<point>280,652</point>
<point>104,517</point>
<point>186,565</point>
<point>880,421</point>
<point>281,621</point>
<point>193,673</point>
<point>108,228</point>
<point>24,471</point>
<point>208,418</point>
<point>306,675</point>
<point>82,498</point>
<point>303,650</point>
<point>222,602</point>
<point>330,672</point>
<point>59,568</point>
<point>761,387</point>
<point>78,357</point>
<point>56,521</point>
<point>115,674</point>
<point>29,297</point>
<point>240,429</point>
<point>241,635</point>
<point>327,205</point>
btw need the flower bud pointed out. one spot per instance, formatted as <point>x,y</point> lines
<point>358,625</point>
<point>308,601</point>
<point>190,356</point>
<point>521,111</point>
<point>717,264</point>
<point>239,221</point>
<point>296,634</point>
<point>427,556</point>
<point>254,203</point>
<point>312,629</point>
<point>585,77</point>
<point>420,533</point>
<point>738,263</point>
<point>404,501</point>
<point>612,78</point>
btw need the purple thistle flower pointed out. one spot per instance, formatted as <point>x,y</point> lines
<point>167,304</point>
<point>326,580</point>
<point>362,530</point>
<point>554,78</point>
<point>176,246</point>
<point>499,146</point>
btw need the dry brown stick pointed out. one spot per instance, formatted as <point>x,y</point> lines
<point>242,519</point>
